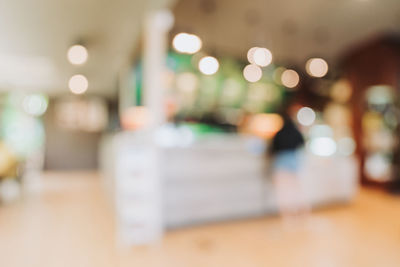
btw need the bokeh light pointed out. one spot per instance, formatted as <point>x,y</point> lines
<point>317,67</point>
<point>322,146</point>
<point>341,91</point>
<point>264,125</point>
<point>78,84</point>
<point>380,95</point>
<point>337,115</point>
<point>250,54</point>
<point>134,118</point>
<point>187,43</point>
<point>306,116</point>
<point>35,104</point>
<point>208,65</point>
<point>77,54</point>
<point>252,73</point>
<point>262,57</point>
<point>22,134</point>
<point>378,167</point>
<point>290,78</point>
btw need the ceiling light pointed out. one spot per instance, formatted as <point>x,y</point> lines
<point>77,54</point>
<point>78,84</point>
<point>187,43</point>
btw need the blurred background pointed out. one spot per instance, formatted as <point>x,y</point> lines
<point>140,132</point>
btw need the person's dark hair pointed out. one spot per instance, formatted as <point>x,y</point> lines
<point>287,138</point>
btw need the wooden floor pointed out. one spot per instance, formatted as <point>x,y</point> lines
<point>71,225</point>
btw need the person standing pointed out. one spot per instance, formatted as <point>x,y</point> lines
<point>287,155</point>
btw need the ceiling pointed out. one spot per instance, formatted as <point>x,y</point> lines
<point>293,30</point>
<point>37,33</point>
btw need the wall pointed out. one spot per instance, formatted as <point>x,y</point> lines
<point>69,150</point>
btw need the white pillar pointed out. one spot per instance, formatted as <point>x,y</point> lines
<point>157,26</point>
<point>138,179</point>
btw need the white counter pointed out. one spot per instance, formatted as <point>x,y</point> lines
<point>215,177</point>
